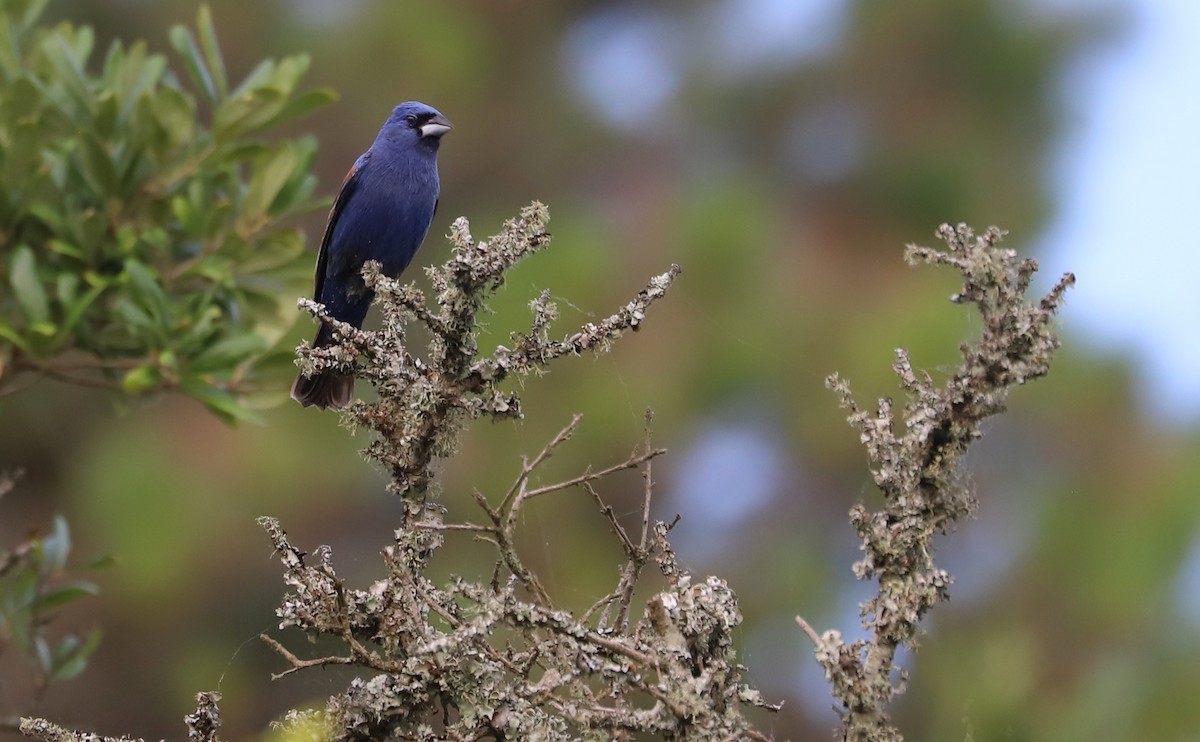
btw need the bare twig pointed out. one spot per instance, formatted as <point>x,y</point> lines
<point>810,631</point>
<point>517,490</point>
<point>299,664</point>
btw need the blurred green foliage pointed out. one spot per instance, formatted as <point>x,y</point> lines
<point>35,584</point>
<point>142,249</point>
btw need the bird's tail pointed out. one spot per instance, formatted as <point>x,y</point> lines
<point>328,390</point>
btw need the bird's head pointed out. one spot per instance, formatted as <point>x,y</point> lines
<point>417,121</point>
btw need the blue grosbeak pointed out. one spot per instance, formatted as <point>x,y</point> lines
<point>382,212</point>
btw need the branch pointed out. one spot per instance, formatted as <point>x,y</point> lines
<point>917,470</point>
<point>299,664</point>
<point>497,658</point>
<point>203,724</point>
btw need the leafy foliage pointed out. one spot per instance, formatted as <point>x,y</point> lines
<point>140,248</point>
<point>35,583</point>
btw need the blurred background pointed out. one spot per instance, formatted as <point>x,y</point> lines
<point>783,152</point>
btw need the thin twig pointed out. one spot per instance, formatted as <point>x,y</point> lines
<point>527,467</point>
<point>812,633</point>
<point>470,527</point>
<point>611,516</point>
<point>299,664</point>
<point>591,476</point>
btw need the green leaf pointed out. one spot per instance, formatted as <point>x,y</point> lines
<point>65,248</point>
<point>21,589</point>
<point>52,216</point>
<point>45,658</point>
<point>147,290</point>
<point>63,593</point>
<point>188,218</point>
<point>227,353</point>
<point>221,402</point>
<point>15,338</point>
<point>77,307</point>
<point>97,165</point>
<point>104,120</point>
<point>193,62</point>
<point>22,156</point>
<point>70,659</point>
<point>278,250</point>
<point>32,11</point>
<point>22,101</point>
<point>56,547</point>
<point>27,286</point>
<point>304,104</point>
<point>296,197</point>
<point>135,74</point>
<point>247,113</point>
<point>68,61</point>
<point>212,50</point>
<point>176,115</point>
<point>260,74</point>
<point>107,561</point>
<point>135,318</point>
<point>270,176</point>
<point>114,63</point>
<point>296,193</point>
<point>290,70</point>
<point>66,285</point>
<point>141,379</point>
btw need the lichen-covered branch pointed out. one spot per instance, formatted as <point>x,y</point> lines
<point>495,657</point>
<point>914,458</point>
<point>423,402</point>
<point>203,726</point>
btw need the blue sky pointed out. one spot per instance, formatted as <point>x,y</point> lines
<point>1126,178</point>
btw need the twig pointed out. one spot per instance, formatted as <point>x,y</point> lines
<point>611,516</point>
<point>517,490</point>
<point>299,664</point>
<point>591,476</point>
<point>810,631</point>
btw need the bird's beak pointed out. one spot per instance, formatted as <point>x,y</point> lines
<point>436,126</point>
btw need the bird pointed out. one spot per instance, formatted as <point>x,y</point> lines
<point>382,212</point>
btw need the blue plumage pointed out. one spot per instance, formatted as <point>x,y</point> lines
<point>382,212</point>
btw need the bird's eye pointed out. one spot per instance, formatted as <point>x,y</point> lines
<point>410,119</point>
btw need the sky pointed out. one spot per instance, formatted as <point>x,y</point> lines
<point>1126,180</point>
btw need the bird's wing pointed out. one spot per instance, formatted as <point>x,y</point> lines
<point>349,185</point>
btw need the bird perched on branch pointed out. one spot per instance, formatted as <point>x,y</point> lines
<point>382,212</point>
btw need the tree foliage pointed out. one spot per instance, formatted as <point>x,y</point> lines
<point>144,242</point>
<point>140,248</point>
<point>36,581</point>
